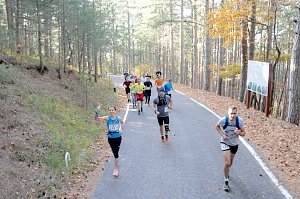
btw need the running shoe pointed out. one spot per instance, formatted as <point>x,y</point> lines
<point>116,172</point>
<point>167,138</point>
<point>226,186</point>
<point>162,138</point>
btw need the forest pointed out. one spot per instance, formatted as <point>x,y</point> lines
<point>203,44</point>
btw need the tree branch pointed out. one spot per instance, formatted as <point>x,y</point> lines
<point>185,21</point>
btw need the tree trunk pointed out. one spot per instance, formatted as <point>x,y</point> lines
<point>252,30</point>
<point>294,86</point>
<point>172,43</point>
<point>207,54</point>
<point>18,18</point>
<point>10,22</point>
<point>244,61</point>
<point>94,44</point>
<point>181,44</point>
<point>195,68</point>
<point>129,67</point>
<point>41,66</point>
<point>221,65</point>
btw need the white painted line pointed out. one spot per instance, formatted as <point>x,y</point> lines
<point>266,169</point>
<point>126,113</point>
<point>179,92</point>
<point>256,156</point>
<point>205,108</point>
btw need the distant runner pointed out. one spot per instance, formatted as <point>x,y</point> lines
<point>133,93</point>
<point>115,126</point>
<point>147,92</point>
<point>139,89</point>
<point>168,87</point>
<point>230,128</point>
<point>158,81</point>
<point>162,105</point>
<point>126,85</point>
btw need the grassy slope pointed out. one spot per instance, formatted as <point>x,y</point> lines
<point>42,118</point>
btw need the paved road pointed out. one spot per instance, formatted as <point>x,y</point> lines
<point>188,166</point>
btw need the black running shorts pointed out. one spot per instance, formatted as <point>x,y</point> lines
<point>163,120</point>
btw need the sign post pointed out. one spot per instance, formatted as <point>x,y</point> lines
<point>259,81</point>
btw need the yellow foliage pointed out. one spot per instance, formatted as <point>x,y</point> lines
<point>225,22</point>
<point>229,71</point>
<point>272,57</point>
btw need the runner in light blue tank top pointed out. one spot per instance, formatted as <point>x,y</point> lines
<point>114,126</point>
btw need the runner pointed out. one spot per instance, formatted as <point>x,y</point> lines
<point>158,81</point>
<point>168,87</point>
<point>132,93</point>
<point>147,92</point>
<point>115,126</point>
<point>232,128</point>
<point>126,85</point>
<point>162,105</point>
<point>139,89</point>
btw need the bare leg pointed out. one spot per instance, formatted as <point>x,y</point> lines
<point>161,129</point>
<point>228,158</point>
<point>116,163</point>
<point>139,105</point>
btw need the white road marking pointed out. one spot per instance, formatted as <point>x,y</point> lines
<point>126,113</point>
<point>179,92</point>
<point>256,156</point>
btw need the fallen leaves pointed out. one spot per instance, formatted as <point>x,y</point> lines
<point>277,140</point>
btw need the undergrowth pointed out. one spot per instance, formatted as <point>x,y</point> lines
<point>45,117</point>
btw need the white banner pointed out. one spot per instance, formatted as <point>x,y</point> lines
<point>258,77</point>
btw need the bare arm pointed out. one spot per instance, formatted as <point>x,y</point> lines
<point>218,128</point>
<point>155,109</point>
<point>97,118</point>
<point>241,132</point>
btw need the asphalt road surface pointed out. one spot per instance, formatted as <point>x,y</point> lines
<point>189,166</point>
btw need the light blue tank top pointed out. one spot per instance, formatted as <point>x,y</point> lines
<point>113,126</point>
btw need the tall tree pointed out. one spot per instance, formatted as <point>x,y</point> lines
<point>195,65</point>
<point>10,22</point>
<point>294,85</point>
<point>39,31</point>
<point>206,85</point>
<point>244,68</point>
<point>181,43</point>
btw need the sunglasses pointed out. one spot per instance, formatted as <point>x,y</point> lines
<point>232,113</point>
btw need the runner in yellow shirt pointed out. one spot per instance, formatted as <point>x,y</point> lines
<point>139,89</point>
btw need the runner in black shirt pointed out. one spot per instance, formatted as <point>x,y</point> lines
<point>148,86</point>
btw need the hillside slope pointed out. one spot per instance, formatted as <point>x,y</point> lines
<point>42,118</point>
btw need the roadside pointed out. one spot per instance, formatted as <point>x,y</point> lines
<point>276,141</point>
<point>84,184</point>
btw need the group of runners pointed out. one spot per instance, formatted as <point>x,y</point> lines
<point>230,127</point>
<point>139,90</point>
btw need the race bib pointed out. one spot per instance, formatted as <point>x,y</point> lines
<point>166,109</point>
<point>113,127</point>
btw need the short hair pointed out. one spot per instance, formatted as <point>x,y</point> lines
<point>232,108</point>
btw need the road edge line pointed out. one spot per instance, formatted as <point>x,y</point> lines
<point>283,190</point>
<point>179,92</point>
<point>126,113</point>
